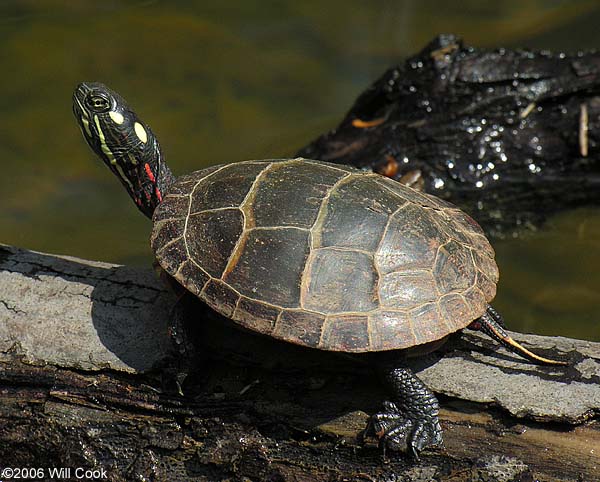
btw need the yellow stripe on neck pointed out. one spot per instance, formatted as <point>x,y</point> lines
<point>106,150</point>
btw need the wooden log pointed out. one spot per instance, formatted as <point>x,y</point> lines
<point>505,134</point>
<point>82,344</point>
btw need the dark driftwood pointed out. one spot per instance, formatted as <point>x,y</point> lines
<point>511,136</point>
<point>80,347</point>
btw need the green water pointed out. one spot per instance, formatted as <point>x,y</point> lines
<point>225,81</point>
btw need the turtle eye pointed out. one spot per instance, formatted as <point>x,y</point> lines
<point>98,102</point>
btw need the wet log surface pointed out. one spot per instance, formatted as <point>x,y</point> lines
<point>511,136</point>
<point>81,385</point>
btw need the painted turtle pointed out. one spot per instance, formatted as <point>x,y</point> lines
<point>316,254</point>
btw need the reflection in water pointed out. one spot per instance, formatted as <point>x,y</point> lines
<point>225,81</point>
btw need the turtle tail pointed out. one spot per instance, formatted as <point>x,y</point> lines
<point>492,324</point>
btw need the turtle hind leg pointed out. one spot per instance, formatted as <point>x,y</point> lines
<point>492,324</point>
<point>409,423</point>
<point>497,317</point>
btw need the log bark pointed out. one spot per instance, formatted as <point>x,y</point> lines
<point>508,135</point>
<point>86,366</point>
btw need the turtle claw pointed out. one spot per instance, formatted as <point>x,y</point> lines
<point>401,432</point>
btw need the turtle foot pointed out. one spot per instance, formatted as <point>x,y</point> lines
<point>401,432</point>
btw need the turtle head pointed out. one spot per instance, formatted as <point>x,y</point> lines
<point>125,144</point>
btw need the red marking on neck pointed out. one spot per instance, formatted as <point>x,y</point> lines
<point>158,194</point>
<point>149,173</point>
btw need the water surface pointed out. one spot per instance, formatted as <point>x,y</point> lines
<point>226,81</point>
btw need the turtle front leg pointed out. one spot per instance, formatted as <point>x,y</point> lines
<point>409,423</point>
